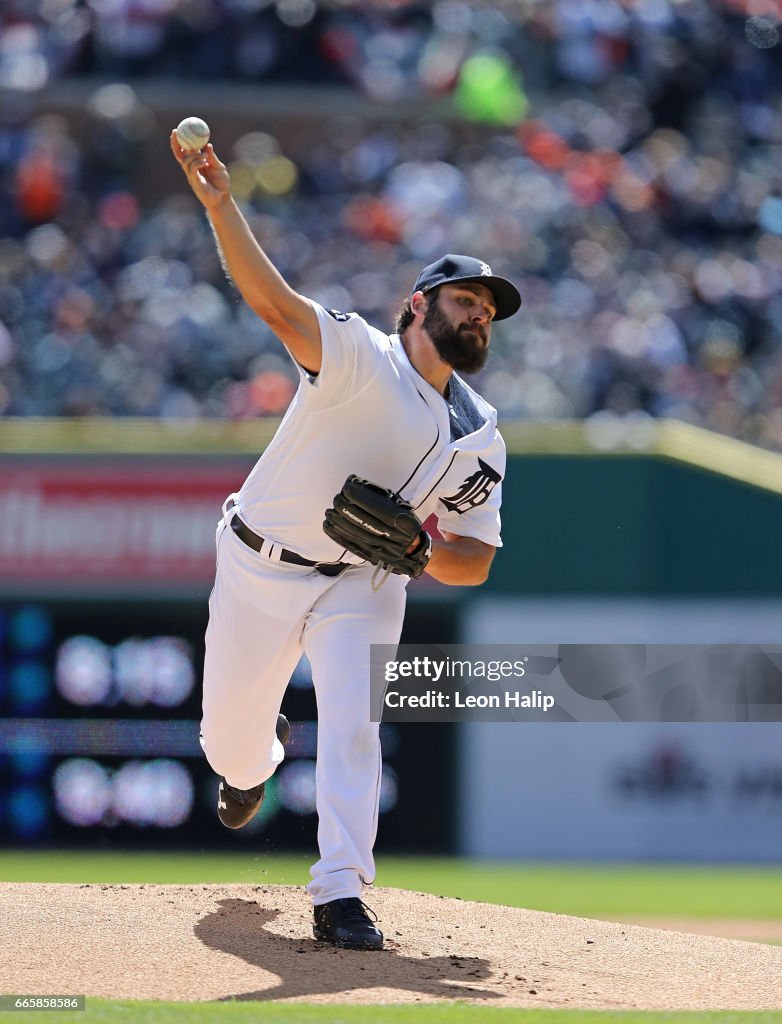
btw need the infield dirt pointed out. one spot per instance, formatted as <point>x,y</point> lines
<point>223,942</point>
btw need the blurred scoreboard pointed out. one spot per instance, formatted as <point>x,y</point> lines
<point>100,701</point>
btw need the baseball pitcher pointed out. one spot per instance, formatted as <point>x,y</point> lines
<point>315,551</point>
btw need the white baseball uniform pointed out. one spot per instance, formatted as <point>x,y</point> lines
<point>366,412</point>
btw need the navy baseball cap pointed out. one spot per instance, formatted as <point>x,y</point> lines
<point>451,268</point>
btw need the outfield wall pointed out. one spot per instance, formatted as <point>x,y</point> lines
<point>630,524</point>
<point>624,790</point>
<point>667,535</point>
<point>634,791</point>
<point>671,510</point>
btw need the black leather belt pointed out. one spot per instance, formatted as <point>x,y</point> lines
<point>252,540</point>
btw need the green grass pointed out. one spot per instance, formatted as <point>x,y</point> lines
<point>101,1011</point>
<point>605,891</point>
<point>602,890</point>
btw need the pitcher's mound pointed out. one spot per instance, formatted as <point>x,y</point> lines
<point>220,942</point>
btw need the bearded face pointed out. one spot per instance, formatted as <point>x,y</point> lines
<point>463,347</point>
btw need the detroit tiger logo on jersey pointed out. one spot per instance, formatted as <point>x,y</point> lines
<point>474,491</point>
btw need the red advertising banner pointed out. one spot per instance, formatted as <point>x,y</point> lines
<point>130,522</point>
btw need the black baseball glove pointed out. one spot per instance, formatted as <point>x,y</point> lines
<point>376,524</point>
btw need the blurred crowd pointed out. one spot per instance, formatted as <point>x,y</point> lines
<point>620,160</point>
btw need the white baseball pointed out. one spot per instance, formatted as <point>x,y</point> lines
<point>192,133</point>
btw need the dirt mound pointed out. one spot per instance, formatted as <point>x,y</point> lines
<point>217,942</point>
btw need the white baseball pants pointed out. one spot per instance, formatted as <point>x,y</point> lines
<point>262,615</point>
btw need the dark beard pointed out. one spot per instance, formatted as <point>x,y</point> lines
<point>460,349</point>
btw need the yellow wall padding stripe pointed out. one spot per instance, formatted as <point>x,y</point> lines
<point>720,454</point>
<point>96,435</point>
<point>667,439</point>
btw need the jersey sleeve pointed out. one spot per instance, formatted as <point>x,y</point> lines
<point>482,524</point>
<point>473,509</point>
<point>352,353</point>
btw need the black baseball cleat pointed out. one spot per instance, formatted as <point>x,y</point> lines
<point>346,923</point>
<point>235,807</point>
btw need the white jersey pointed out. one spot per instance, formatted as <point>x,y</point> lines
<point>369,412</point>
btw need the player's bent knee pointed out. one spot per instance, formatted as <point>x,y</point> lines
<point>222,754</point>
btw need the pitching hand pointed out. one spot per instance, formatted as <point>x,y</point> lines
<point>207,176</point>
